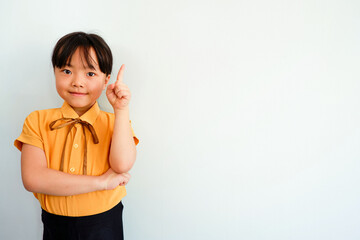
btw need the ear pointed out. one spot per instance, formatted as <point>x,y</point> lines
<point>106,81</point>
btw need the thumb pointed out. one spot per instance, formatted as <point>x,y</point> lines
<point>110,88</point>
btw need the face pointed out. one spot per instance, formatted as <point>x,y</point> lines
<point>79,85</point>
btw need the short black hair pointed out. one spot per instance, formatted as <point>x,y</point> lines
<point>67,45</point>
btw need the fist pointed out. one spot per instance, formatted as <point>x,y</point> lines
<point>111,179</point>
<point>118,93</point>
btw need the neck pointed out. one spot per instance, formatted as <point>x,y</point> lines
<point>81,110</point>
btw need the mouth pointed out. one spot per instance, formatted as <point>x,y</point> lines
<point>78,94</point>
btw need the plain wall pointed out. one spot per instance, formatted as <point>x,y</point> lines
<point>247,113</point>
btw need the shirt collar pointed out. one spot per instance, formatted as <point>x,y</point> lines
<point>90,116</point>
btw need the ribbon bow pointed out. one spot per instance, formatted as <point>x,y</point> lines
<point>72,122</point>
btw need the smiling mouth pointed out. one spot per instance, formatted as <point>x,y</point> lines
<point>77,94</point>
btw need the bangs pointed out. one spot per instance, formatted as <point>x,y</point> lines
<point>84,53</point>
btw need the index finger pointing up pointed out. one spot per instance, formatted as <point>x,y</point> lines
<point>119,77</point>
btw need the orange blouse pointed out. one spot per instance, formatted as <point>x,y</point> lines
<point>36,132</point>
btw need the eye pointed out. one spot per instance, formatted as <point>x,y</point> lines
<point>91,74</point>
<point>66,71</point>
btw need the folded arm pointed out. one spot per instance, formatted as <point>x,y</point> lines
<point>38,178</point>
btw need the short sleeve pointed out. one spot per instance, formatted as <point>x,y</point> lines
<point>136,140</point>
<point>30,133</point>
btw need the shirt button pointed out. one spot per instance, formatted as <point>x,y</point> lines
<point>72,169</point>
<point>76,146</point>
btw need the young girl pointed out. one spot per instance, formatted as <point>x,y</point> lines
<point>75,159</point>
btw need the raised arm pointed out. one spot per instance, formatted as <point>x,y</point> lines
<point>123,150</point>
<point>38,178</point>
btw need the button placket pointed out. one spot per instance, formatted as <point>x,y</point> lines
<point>74,161</point>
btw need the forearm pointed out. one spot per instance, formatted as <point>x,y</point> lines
<point>57,183</point>
<point>123,151</point>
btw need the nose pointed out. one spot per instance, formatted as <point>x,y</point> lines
<point>77,82</point>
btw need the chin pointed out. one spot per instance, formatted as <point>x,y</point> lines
<point>78,105</point>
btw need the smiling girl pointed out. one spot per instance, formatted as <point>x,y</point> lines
<point>75,159</point>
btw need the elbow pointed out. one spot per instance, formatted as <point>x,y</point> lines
<point>29,185</point>
<point>121,168</point>
<point>123,164</point>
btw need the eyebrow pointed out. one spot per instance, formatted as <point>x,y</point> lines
<point>87,67</point>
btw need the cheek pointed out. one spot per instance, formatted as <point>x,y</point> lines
<point>59,86</point>
<point>97,89</point>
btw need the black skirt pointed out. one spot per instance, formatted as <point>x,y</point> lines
<point>103,226</point>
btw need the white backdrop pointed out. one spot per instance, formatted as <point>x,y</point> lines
<point>247,113</point>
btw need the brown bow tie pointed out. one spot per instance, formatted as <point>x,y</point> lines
<point>72,122</point>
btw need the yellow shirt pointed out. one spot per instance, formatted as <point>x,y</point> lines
<point>36,132</point>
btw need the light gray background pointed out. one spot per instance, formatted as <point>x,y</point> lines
<point>247,113</point>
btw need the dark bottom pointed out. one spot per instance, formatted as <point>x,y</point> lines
<point>103,226</point>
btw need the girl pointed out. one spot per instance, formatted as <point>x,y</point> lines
<point>75,159</point>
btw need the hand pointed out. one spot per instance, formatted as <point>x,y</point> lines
<point>111,179</point>
<point>118,93</point>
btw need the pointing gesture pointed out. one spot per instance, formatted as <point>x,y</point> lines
<point>118,93</point>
